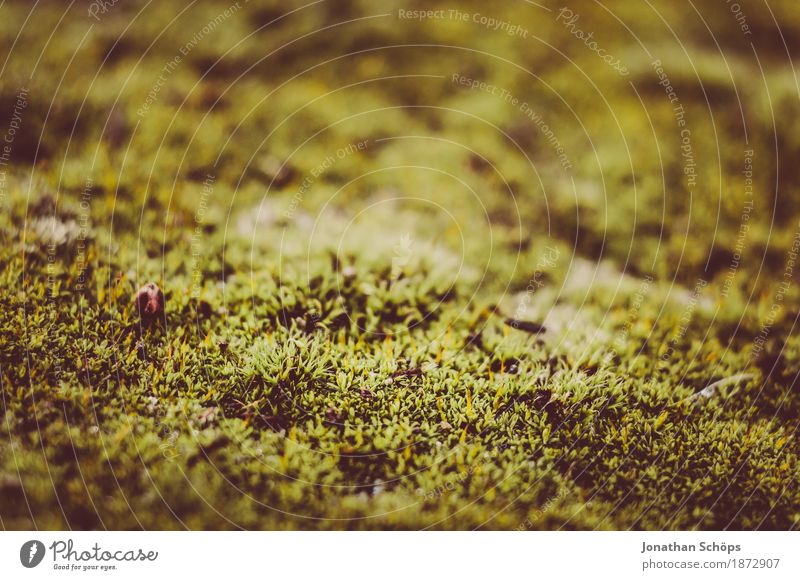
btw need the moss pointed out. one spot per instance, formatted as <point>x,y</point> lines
<point>340,257</point>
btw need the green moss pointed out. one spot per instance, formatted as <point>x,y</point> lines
<point>335,351</point>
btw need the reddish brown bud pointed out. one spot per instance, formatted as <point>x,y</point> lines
<point>150,301</point>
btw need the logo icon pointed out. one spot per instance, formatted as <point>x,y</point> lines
<point>31,553</point>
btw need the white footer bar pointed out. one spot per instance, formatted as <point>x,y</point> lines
<point>402,555</point>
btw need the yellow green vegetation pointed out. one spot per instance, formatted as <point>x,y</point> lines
<point>358,214</point>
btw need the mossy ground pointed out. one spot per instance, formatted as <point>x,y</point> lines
<point>341,246</point>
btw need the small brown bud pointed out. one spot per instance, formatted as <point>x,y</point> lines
<point>150,301</point>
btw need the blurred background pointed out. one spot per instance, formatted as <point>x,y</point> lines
<point>310,182</point>
<point>259,94</point>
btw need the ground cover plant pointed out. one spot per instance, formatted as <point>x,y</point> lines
<point>348,266</point>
